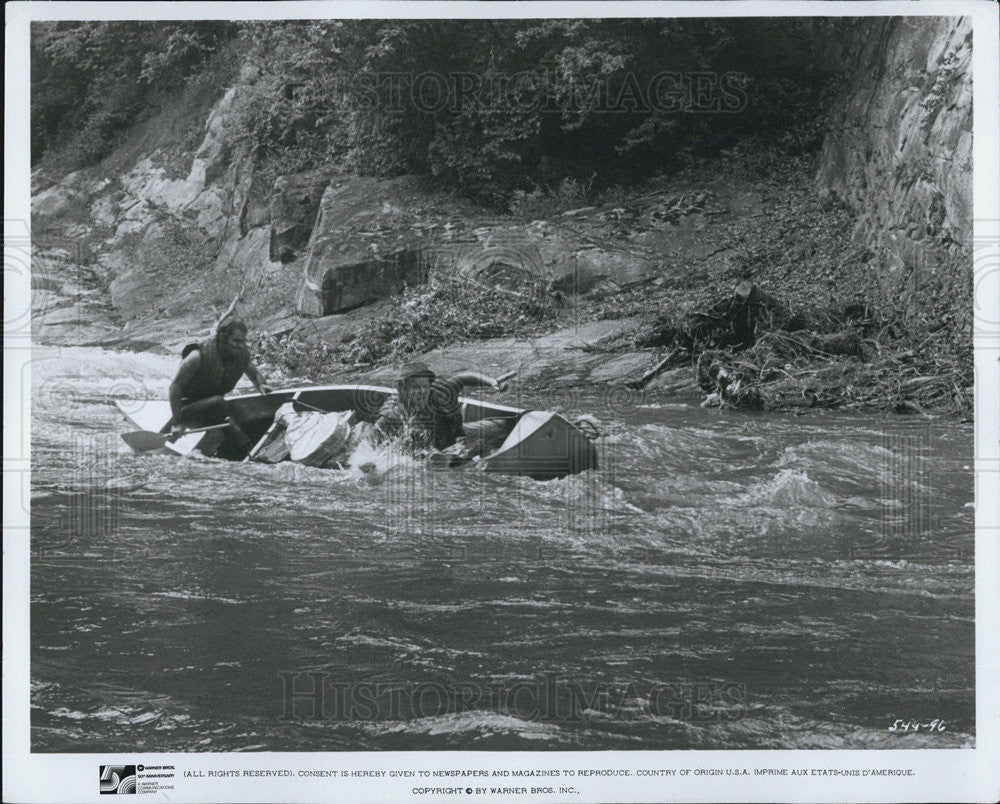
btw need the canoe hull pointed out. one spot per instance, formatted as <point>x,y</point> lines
<point>542,444</point>
<point>255,412</point>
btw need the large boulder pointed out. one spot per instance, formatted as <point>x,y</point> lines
<point>294,203</point>
<point>353,284</point>
<point>372,238</point>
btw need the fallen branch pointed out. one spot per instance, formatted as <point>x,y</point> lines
<point>657,369</point>
<point>798,342</point>
<point>228,311</point>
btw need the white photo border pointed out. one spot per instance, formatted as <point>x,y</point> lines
<point>939,775</point>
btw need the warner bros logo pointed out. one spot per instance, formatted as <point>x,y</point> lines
<point>118,779</point>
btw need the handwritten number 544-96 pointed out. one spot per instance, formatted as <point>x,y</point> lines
<point>915,725</point>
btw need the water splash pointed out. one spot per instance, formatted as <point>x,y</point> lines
<point>790,488</point>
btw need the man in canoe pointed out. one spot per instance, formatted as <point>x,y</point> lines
<point>427,412</point>
<point>208,371</point>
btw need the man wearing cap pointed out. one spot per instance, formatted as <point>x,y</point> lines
<point>427,412</point>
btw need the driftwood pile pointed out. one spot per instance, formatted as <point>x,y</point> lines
<point>751,351</point>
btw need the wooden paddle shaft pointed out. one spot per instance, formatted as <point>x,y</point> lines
<point>307,405</point>
<point>201,429</point>
<point>147,440</point>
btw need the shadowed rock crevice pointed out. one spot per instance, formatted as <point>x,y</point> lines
<point>294,204</point>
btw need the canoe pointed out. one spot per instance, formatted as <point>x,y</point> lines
<point>541,444</point>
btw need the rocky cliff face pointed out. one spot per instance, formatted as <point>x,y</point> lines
<point>175,231</point>
<point>161,225</point>
<point>175,234</point>
<point>900,151</point>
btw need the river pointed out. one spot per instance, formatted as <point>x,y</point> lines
<point>724,580</point>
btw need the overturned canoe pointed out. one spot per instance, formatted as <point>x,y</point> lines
<point>540,444</point>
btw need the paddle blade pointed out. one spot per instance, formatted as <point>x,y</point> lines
<point>145,440</point>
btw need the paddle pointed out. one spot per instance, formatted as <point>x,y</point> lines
<point>147,440</point>
<point>307,405</point>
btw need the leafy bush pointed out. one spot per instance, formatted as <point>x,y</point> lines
<point>540,203</point>
<point>91,80</point>
<point>286,357</point>
<point>447,311</point>
<point>527,105</point>
<point>502,110</point>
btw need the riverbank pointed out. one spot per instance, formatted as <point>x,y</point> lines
<point>793,315</point>
<point>811,250</point>
<point>768,303</point>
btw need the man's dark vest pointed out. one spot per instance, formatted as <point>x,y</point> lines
<point>446,412</point>
<point>216,375</point>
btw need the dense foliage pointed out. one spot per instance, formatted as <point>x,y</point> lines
<point>490,107</point>
<point>91,80</point>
